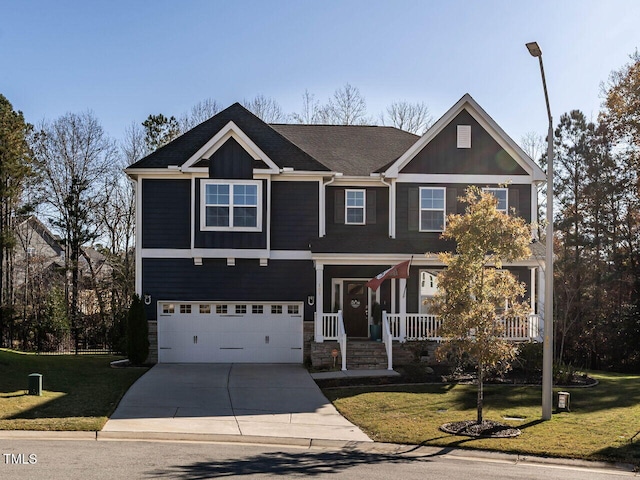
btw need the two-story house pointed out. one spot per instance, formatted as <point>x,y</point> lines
<point>249,234</point>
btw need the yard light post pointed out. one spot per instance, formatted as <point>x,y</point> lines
<point>547,359</point>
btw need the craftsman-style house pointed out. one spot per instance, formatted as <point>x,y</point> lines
<point>250,235</point>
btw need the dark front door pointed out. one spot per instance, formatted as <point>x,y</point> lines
<point>354,308</point>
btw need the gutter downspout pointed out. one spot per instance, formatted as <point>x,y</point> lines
<point>392,205</point>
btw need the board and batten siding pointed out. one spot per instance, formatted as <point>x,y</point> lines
<point>442,155</point>
<point>376,212</point>
<point>175,279</point>
<point>166,213</point>
<point>294,222</point>
<point>408,212</point>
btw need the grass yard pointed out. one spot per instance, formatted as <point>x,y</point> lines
<point>79,392</point>
<point>601,425</point>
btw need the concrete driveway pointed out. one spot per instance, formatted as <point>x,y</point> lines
<point>231,399</point>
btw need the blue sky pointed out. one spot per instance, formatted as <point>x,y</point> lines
<point>126,59</point>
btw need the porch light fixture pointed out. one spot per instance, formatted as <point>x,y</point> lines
<point>547,355</point>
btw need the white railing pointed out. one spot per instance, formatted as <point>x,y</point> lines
<point>420,326</point>
<point>342,340</point>
<point>330,325</point>
<point>387,338</point>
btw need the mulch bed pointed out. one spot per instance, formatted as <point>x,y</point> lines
<point>486,429</point>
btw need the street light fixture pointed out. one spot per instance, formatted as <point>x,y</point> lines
<point>547,358</point>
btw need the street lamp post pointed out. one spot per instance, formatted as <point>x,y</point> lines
<point>547,359</point>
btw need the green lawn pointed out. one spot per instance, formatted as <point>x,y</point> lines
<point>602,422</point>
<point>79,392</point>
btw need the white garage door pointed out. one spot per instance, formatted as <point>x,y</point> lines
<point>193,332</point>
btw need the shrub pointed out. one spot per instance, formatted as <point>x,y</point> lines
<point>137,332</point>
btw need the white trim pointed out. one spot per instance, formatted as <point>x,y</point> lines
<point>193,212</point>
<point>363,207</point>
<point>464,179</point>
<point>231,227</point>
<point>419,259</point>
<point>224,253</point>
<point>534,211</point>
<point>493,129</point>
<point>230,130</point>
<point>268,219</point>
<point>138,237</point>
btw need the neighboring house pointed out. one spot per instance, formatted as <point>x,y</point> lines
<point>249,234</point>
<point>40,256</point>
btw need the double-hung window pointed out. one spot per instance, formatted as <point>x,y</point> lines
<point>432,209</point>
<point>354,207</point>
<point>502,195</point>
<point>231,205</point>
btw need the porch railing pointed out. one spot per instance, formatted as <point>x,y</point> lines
<point>387,338</point>
<point>418,326</point>
<point>427,327</point>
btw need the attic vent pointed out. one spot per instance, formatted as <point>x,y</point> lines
<point>464,136</point>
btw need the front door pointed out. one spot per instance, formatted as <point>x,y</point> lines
<point>354,308</point>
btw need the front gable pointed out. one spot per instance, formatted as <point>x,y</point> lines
<point>230,153</point>
<point>442,155</point>
<point>466,141</point>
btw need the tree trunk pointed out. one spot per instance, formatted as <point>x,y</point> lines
<point>480,392</point>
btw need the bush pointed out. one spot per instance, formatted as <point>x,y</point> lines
<point>137,332</point>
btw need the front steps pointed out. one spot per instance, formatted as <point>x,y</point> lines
<point>361,355</point>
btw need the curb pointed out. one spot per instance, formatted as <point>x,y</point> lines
<point>354,446</point>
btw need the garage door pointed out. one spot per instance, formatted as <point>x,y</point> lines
<point>193,332</point>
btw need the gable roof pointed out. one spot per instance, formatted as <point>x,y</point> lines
<point>350,149</point>
<point>280,150</point>
<point>467,103</point>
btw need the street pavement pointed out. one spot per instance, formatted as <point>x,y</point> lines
<point>224,400</point>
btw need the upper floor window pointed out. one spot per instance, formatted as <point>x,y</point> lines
<point>432,209</point>
<point>502,195</point>
<point>231,205</point>
<point>355,207</point>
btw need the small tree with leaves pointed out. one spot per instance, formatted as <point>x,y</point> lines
<point>137,332</point>
<point>475,294</point>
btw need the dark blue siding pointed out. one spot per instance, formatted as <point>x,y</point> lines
<point>231,161</point>
<point>376,225</point>
<point>166,213</point>
<point>180,279</point>
<point>212,239</point>
<point>519,198</point>
<point>485,157</point>
<point>294,222</point>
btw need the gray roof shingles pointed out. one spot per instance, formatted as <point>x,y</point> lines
<point>349,149</point>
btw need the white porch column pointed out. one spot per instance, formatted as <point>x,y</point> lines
<point>532,289</point>
<point>394,309</point>
<point>541,298</point>
<point>319,302</point>
<point>403,310</point>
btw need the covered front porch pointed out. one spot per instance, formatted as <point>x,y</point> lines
<point>345,305</point>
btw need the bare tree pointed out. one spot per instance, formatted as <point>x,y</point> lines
<point>74,154</point>
<point>347,106</point>
<point>201,111</point>
<point>311,112</point>
<point>534,145</point>
<point>412,117</point>
<point>265,108</point>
